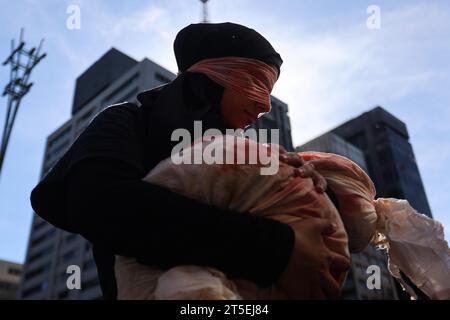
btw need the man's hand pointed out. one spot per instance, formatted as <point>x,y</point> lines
<point>303,169</point>
<point>308,273</point>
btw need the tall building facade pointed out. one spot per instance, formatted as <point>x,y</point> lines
<point>355,287</point>
<point>114,78</point>
<point>10,273</point>
<point>390,159</point>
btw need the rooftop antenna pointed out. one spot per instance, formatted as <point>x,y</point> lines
<point>205,11</point>
<point>22,62</point>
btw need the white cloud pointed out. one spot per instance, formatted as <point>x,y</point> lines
<point>330,76</point>
<point>151,18</point>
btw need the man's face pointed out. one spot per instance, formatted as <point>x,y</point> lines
<point>238,111</point>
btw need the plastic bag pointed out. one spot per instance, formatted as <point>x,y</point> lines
<point>415,245</point>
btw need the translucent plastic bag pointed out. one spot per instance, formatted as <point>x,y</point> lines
<point>415,245</point>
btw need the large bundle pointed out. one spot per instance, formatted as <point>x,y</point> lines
<point>415,243</point>
<point>241,187</point>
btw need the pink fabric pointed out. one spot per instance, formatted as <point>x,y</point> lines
<point>355,193</point>
<point>250,77</point>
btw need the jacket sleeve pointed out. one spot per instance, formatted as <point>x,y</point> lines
<point>109,204</point>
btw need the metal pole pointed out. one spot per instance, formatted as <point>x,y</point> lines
<point>205,11</point>
<point>18,85</point>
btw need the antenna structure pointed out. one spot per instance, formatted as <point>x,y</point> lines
<point>22,62</point>
<point>205,11</point>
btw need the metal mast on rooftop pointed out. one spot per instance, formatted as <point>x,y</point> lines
<point>22,62</point>
<point>205,11</point>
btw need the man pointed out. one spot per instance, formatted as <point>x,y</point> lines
<point>96,188</point>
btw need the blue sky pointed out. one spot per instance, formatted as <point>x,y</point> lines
<point>334,69</point>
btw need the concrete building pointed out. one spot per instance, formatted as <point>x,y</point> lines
<point>114,78</point>
<point>390,159</point>
<point>356,285</point>
<point>9,279</point>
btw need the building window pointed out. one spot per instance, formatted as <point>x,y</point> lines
<point>48,235</point>
<point>61,137</point>
<point>41,253</point>
<point>121,88</point>
<point>14,271</point>
<point>38,271</point>
<point>69,255</point>
<point>7,286</point>
<point>161,78</point>
<point>86,116</point>
<point>40,225</point>
<point>131,95</point>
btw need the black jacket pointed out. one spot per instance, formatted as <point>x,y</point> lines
<point>96,190</point>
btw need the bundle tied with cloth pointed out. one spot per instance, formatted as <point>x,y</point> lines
<point>415,243</point>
